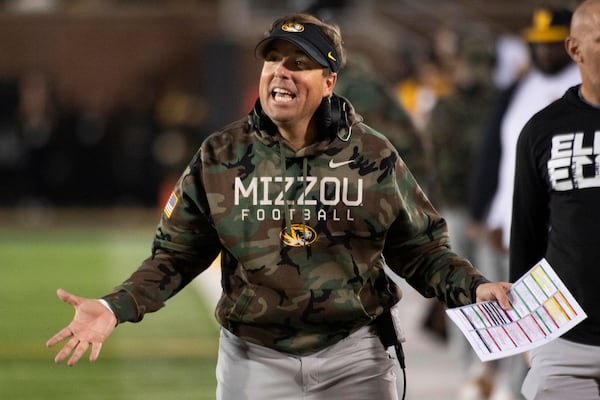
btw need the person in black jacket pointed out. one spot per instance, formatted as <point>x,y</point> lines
<point>555,216</point>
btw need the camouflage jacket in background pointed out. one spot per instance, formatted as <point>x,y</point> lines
<point>303,236</point>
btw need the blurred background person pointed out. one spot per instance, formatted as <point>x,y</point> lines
<point>455,129</point>
<point>553,71</point>
<point>423,82</point>
<point>36,121</point>
<point>512,59</point>
<point>11,147</point>
<point>364,86</point>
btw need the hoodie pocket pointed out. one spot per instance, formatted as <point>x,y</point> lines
<point>262,305</point>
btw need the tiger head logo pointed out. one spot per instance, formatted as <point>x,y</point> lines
<point>298,235</point>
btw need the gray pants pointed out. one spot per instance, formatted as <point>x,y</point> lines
<point>357,367</point>
<point>563,370</point>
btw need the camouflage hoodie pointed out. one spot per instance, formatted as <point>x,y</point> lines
<point>303,236</point>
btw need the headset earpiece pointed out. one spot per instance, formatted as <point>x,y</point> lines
<point>332,114</point>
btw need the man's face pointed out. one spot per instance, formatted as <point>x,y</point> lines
<point>549,58</point>
<point>583,45</point>
<point>589,49</point>
<point>292,85</point>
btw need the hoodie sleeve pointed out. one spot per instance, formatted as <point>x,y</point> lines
<point>185,244</point>
<point>417,248</point>
<point>530,212</point>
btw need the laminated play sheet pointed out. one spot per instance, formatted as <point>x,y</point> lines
<point>542,309</point>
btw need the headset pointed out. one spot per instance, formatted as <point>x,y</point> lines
<point>333,116</point>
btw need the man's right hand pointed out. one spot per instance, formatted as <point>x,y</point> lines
<point>91,325</point>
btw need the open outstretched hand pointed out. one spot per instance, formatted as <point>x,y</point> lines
<point>91,325</point>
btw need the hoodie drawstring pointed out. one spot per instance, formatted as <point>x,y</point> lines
<point>306,233</point>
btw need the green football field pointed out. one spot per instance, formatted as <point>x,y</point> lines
<point>169,355</point>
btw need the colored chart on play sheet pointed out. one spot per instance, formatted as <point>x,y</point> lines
<point>542,309</point>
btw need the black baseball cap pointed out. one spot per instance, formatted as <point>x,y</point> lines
<point>309,37</point>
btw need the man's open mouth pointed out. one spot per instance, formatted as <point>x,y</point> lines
<point>282,95</point>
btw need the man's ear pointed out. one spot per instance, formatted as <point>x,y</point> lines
<point>572,47</point>
<point>330,81</point>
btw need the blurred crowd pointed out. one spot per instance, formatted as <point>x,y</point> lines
<point>55,153</point>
